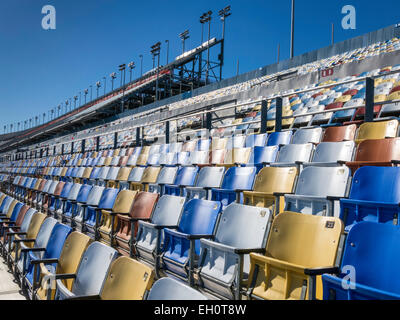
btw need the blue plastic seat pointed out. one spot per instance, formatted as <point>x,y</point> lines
<point>92,216</point>
<point>263,155</point>
<point>236,180</point>
<point>56,201</point>
<point>68,207</point>
<point>256,140</point>
<point>279,138</point>
<point>374,196</point>
<point>185,177</point>
<point>182,245</point>
<point>372,255</point>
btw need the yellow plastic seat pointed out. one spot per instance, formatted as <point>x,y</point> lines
<point>236,156</point>
<point>127,279</point>
<point>343,98</point>
<point>394,96</point>
<point>143,156</point>
<point>86,174</point>
<point>296,242</point>
<point>123,175</point>
<point>150,175</point>
<point>377,130</point>
<point>116,152</point>
<point>74,247</point>
<point>380,98</point>
<point>218,143</point>
<point>268,181</point>
<point>108,223</point>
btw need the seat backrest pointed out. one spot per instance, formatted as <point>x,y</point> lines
<point>305,135</point>
<point>168,210</point>
<point>170,289</point>
<point>112,173</point>
<point>94,196</point>
<point>136,174</point>
<point>256,140</point>
<point>103,173</point>
<point>167,175</point>
<point>74,191</point>
<point>59,188</point>
<point>44,233</point>
<point>367,254</point>
<point>47,185</point>
<point>239,178</point>
<point>377,130</point>
<point>275,179</point>
<point>334,151</point>
<point>199,216</point>
<point>108,198</point>
<point>95,173</point>
<point>83,193</point>
<point>243,226</point>
<point>123,174</point>
<point>71,254</point>
<point>210,177</point>
<point>291,153</point>
<point>127,279</point>
<point>305,240</point>
<point>263,154</point>
<point>16,211</point>
<point>93,269</point>
<point>34,225</point>
<point>150,174</point>
<point>279,138</point>
<point>186,176</point>
<point>380,184</point>
<point>56,241</point>
<point>123,201</point>
<point>340,133</point>
<point>26,220</point>
<point>323,181</point>
<point>237,155</point>
<point>143,205</point>
<point>66,190</point>
<point>378,150</point>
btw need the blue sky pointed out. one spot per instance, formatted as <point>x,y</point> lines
<point>42,68</point>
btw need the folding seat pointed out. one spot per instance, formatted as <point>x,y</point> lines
<point>294,154</point>
<point>256,140</point>
<point>141,209</point>
<point>37,242</point>
<point>88,195</point>
<point>181,159</point>
<point>123,161</point>
<point>42,205</point>
<point>189,146</point>
<point>377,130</point>
<point>74,247</point>
<point>299,249</point>
<point>166,176</point>
<point>319,190</point>
<point>372,250</point>
<point>102,176</point>
<point>307,135</point>
<point>391,109</point>
<point>224,260</point>
<point>150,175</point>
<point>114,161</point>
<point>107,225</point>
<point>332,154</point>
<point>218,143</point>
<point>261,156</point>
<point>122,176</point>
<point>92,214</point>
<point>279,138</point>
<point>143,156</point>
<point>62,174</point>
<point>10,214</point>
<point>149,238</point>
<point>53,201</point>
<point>374,196</point>
<point>85,175</point>
<point>208,178</point>
<point>171,289</point>
<point>185,177</point>
<point>340,133</point>
<point>56,202</point>
<point>132,160</point>
<point>14,222</point>
<point>203,145</point>
<point>68,203</point>
<point>34,183</point>
<point>134,177</point>
<point>270,186</point>
<point>93,176</point>
<point>90,275</point>
<point>182,246</point>
<point>127,279</point>
<point>111,176</point>
<point>236,157</point>
<point>199,158</point>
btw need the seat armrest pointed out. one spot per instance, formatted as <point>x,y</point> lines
<point>17,233</point>
<point>24,240</point>
<point>45,261</point>
<point>64,276</point>
<point>93,297</point>
<point>321,270</point>
<point>137,219</point>
<point>334,198</point>
<point>247,251</point>
<point>281,194</point>
<point>199,236</point>
<point>33,249</point>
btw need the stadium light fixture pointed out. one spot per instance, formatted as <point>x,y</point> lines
<point>75,99</point>
<point>131,66</point>
<point>141,64</point>
<point>167,42</point>
<point>98,85</point>
<point>86,91</point>
<point>122,68</point>
<point>184,36</point>
<point>112,76</point>
<point>224,13</point>
<point>105,83</point>
<point>91,92</point>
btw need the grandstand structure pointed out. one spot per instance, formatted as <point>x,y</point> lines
<point>265,186</point>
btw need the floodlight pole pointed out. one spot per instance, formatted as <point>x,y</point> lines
<point>292,32</point>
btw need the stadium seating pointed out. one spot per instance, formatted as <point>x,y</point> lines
<point>170,289</point>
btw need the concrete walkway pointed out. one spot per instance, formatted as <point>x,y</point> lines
<point>9,290</point>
